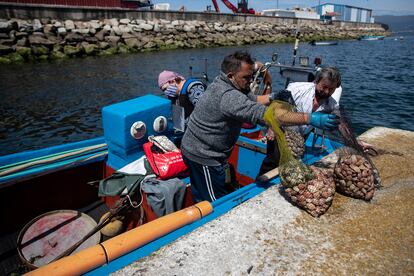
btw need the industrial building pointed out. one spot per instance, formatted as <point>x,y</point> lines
<point>340,12</point>
<point>296,13</point>
<point>278,13</point>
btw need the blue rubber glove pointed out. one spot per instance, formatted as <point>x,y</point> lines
<point>323,120</point>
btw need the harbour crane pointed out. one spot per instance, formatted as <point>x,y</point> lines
<point>242,6</point>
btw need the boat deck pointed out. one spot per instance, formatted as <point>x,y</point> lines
<point>34,198</point>
<point>10,261</point>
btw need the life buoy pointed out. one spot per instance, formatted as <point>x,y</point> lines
<point>267,81</point>
<point>262,83</point>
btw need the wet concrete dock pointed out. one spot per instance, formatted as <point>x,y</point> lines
<point>268,236</point>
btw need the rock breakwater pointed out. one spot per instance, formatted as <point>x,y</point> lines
<point>45,39</point>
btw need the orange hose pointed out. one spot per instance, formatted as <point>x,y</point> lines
<point>148,232</point>
<point>95,256</point>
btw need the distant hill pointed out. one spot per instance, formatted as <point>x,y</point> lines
<point>397,23</point>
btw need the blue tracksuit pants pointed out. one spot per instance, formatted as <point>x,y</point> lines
<point>208,182</point>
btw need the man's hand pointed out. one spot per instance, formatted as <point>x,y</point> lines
<point>368,148</point>
<point>323,120</point>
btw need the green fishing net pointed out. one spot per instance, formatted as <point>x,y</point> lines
<point>291,170</point>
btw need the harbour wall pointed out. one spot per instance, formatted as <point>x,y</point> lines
<point>28,11</point>
<point>44,33</point>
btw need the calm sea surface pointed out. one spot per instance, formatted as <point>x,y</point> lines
<point>49,103</point>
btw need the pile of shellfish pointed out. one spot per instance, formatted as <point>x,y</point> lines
<point>295,142</point>
<point>354,177</point>
<point>314,194</point>
<point>294,172</point>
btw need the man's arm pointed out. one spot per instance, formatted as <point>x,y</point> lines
<point>285,116</point>
<point>264,99</point>
<point>195,91</point>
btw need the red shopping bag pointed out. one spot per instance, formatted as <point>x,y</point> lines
<point>165,164</point>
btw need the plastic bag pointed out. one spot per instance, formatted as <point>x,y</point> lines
<point>165,164</point>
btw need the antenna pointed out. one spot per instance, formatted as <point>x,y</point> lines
<point>205,76</point>
<point>190,71</point>
<point>295,49</point>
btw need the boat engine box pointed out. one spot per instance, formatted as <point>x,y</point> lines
<point>118,119</point>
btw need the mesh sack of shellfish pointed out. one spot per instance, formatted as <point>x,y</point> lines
<point>357,180</point>
<point>309,188</point>
<point>354,176</point>
<point>294,171</point>
<point>295,141</point>
<point>315,196</point>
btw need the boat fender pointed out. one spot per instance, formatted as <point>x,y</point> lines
<point>114,227</point>
<point>160,124</point>
<point>138,130</point>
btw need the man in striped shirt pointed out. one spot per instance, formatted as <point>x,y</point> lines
<point>322,95</point>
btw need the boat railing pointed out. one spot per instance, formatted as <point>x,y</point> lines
<point>29,165</point>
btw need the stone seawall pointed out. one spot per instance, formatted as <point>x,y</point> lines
<point>46,39</point>
<point>33,11</point>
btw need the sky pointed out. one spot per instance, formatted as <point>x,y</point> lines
<point>379,7</point>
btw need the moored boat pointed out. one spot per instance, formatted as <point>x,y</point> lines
<point>39,182</point>
<point>323,43</point>
<point>62,184</point>
<point>371,37</point>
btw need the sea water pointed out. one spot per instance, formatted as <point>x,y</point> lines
<point>49,103</point>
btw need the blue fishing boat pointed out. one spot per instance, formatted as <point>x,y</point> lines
<point>371,37</point>
<point>61,181</point>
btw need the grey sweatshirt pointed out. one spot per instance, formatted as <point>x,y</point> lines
<point>215,124</point>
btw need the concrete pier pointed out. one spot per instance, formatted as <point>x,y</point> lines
<point>268,236</point>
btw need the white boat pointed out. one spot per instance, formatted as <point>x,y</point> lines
<point>323,43</point>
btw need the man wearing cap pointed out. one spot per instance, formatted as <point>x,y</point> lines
<point>182,92</point>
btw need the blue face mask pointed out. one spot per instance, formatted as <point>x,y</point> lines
<point>171,91</point>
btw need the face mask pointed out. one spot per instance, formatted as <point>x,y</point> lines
<point>321,95</point>
<point>171,91</point>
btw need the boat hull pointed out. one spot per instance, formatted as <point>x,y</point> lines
<point>322,43</point>
<point>64,184</point>
<point>370,38</point>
